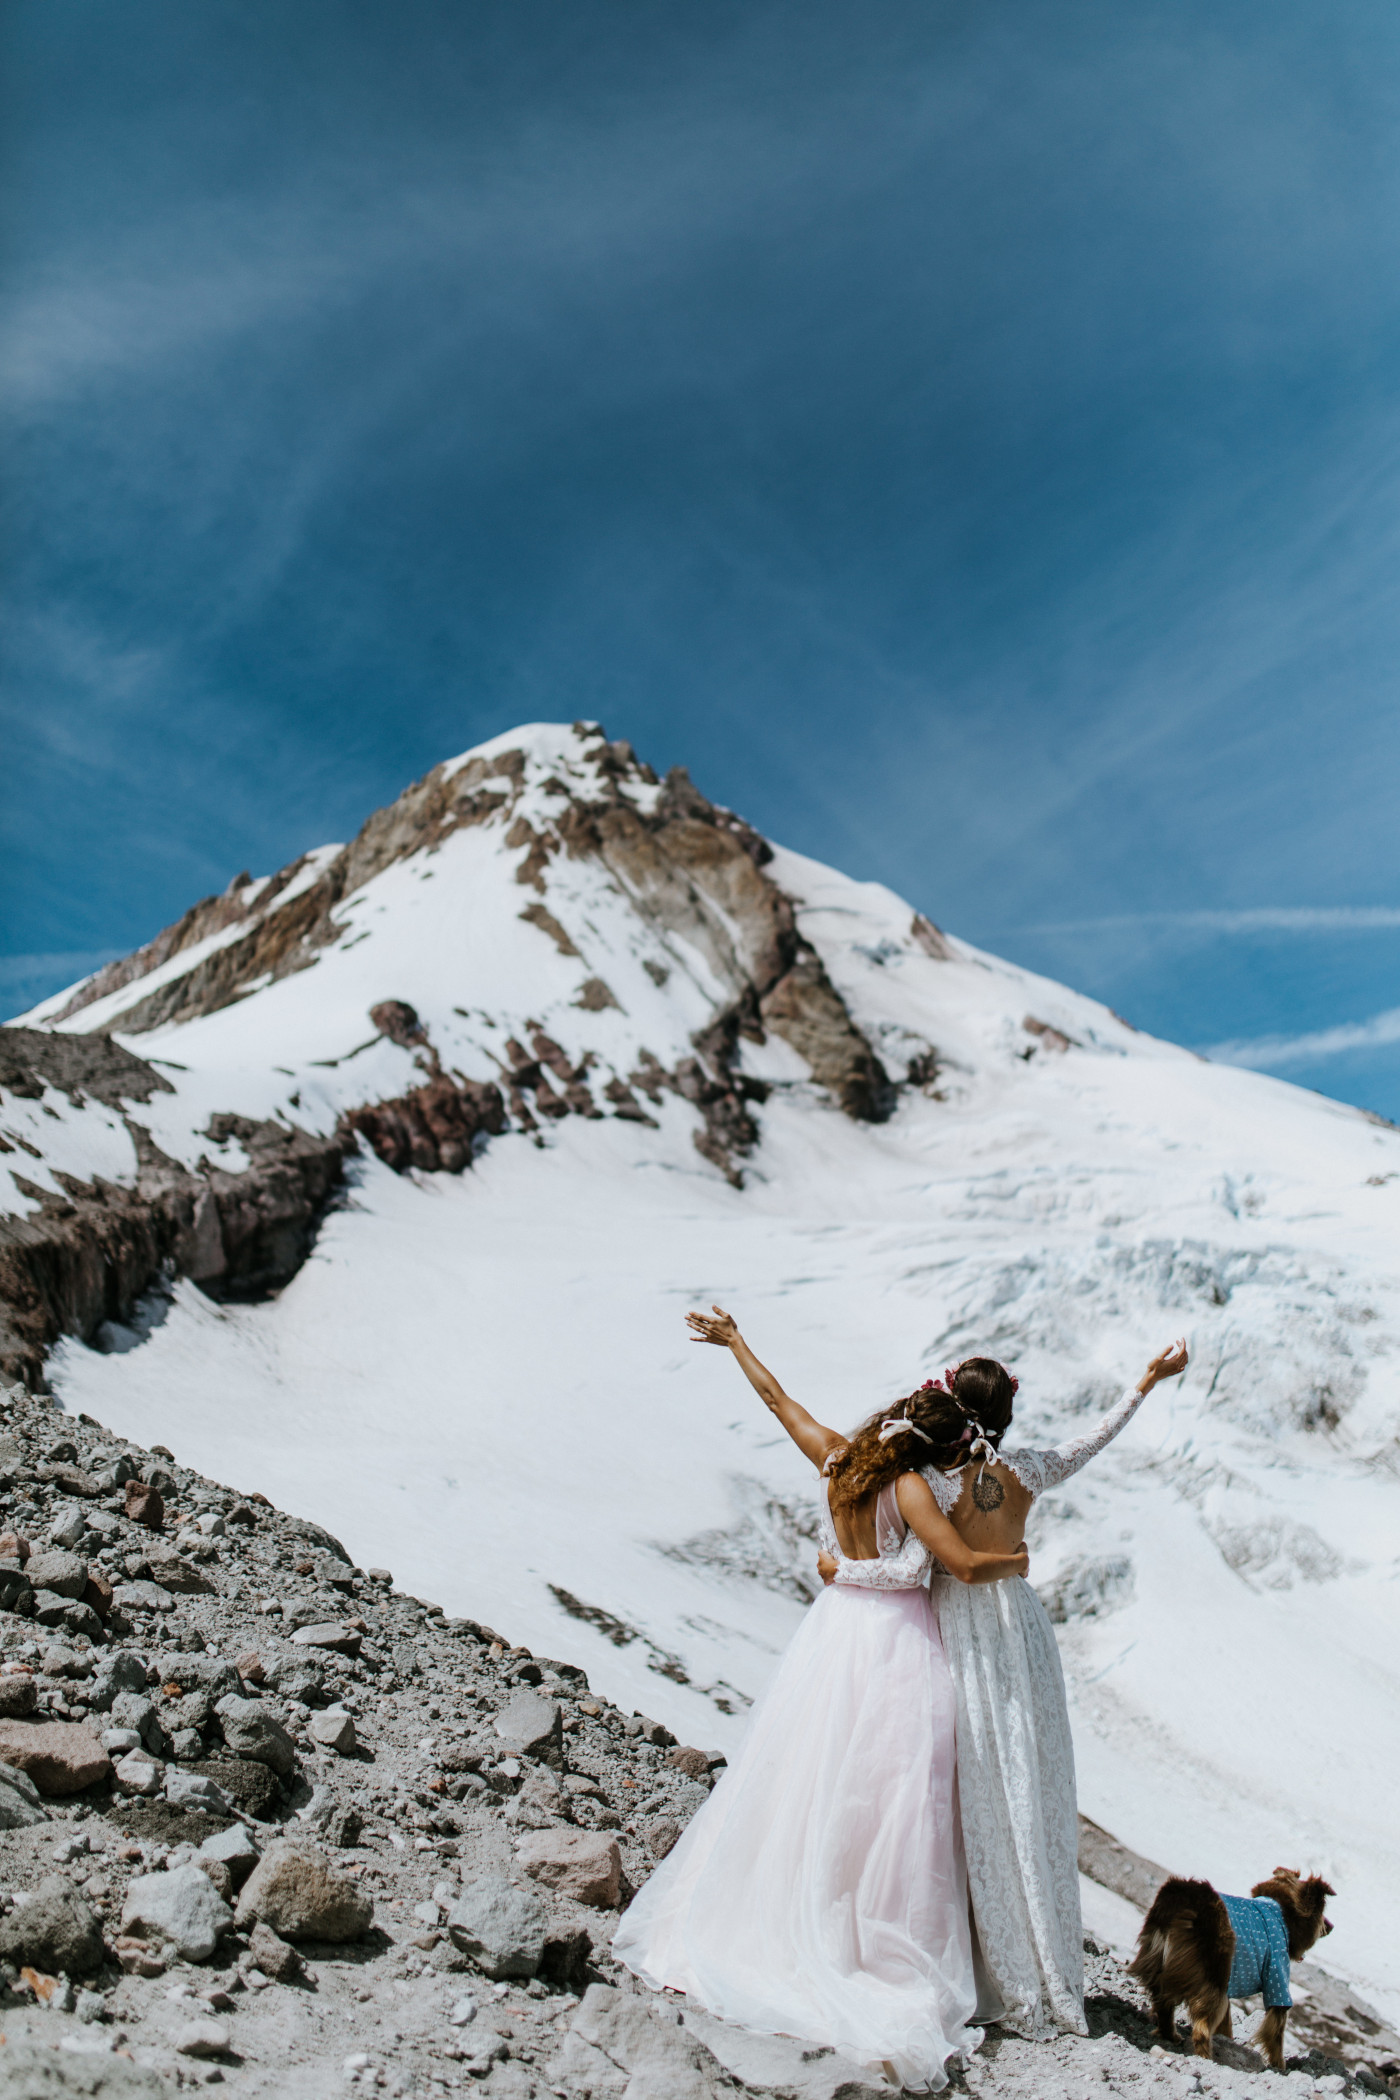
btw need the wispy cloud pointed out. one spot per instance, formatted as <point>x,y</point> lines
<point>1267,1053</point>
<point>1303,918</point>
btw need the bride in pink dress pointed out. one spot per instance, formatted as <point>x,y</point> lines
<point>821,1891</point>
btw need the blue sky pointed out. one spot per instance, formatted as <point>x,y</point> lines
<point>965,434</point>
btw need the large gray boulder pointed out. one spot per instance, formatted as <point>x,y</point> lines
<point>182,1908</point>
<point>619,2042</point>
<point>55,1930</point>
<point>584,1864</point>
<point>250,1731</point>
<point>501,1926</point>
<point>121,1671</point>
<point>298,1677</point>
<point>296,1890</point>
<point>532,1726</point>
<point>19,1695</point>
<point>136,1710</point>
<point>63,1573</point>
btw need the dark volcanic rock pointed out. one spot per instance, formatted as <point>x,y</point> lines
<point>250,1786</point>
<point>55,1931</point>
<point>86,1257</point>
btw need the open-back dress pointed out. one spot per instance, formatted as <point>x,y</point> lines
<point>1020,1820</point>
<point>821,1892</point>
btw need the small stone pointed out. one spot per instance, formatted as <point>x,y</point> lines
<point>333,1730</point>
<point>181,1908</point>
<point>195,1790</point>
<point>65,1574</point>
<point>175,1574</point>
<point>584,1864</point>
<point>141,1596</point>
<point>61,1757</point>
<point>250,1731</point>
<point>187,1743</point>
<point>68,1526</point>
<point>501,1926</point>
<point>18,1695</point>
<point>145,1505</point>
<point>694,1763</point>
<point>250,1668</point>
<point>662,1834</point>
<point>119,1740</point>
<point>57,1929</point>
<point>462,2013</point>
<point>203,2038</point>
<point>295,1889</point>
<point>234,1849</point>
<point>273,1956</point>
<point>532,1725</point>
<point>138,1773</point>
<point>253,1788</point>
<point>540,1803</point>
<point>118,1671</point>
<point>343,1825</point>
<point>297,1677</point>
<point>220,1879</point>
<point>138,1958</point>
<point>332,1634</point>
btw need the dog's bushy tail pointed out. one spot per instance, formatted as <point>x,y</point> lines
<point>1186,1944</point>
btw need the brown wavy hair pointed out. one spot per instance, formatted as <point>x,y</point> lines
<point>975,1401</point>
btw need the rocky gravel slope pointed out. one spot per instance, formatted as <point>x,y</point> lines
<point>267,1822</point>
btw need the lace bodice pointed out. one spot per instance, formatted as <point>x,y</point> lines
<point>1036,1471</point>
<point>904,1560</point>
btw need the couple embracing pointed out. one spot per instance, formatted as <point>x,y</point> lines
<point>892,1856</point>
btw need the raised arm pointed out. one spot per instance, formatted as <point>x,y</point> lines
<point>928,1524</point>
<point>1039,1470</point>
<point>811,1438</point>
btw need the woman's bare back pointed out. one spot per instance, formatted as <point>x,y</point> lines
<point>854,1526</point>
<point>990,1514</point>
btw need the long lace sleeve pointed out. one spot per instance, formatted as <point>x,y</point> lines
<point>1039,1470</point>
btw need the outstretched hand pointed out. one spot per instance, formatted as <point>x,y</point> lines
<point>720,1329</point>
<point>1170,1364</point>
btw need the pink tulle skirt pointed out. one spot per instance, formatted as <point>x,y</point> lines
<point>821,1890</point>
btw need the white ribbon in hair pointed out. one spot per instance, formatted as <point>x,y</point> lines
<point>897,1422</point>
<point>983,1448</point>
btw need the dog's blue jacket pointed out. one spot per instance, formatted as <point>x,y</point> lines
<point>1261,1949</point>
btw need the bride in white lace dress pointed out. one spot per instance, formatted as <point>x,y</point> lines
<point>1015,1754</point>
<point>821,1890</point>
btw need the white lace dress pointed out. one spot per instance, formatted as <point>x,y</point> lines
<point>1016,1765</point>
<point>821,1891</point>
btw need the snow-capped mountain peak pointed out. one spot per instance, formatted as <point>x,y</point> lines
<point>384,1181</point>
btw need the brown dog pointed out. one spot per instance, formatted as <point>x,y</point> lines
<point>1190,1951</point>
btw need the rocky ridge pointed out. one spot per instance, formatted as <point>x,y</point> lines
<point>693,874</point>
<point>267,1822</point>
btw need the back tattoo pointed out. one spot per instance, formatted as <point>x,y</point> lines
<point>988,1492</point>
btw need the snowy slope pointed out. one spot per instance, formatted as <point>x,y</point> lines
<point>481,1379</point>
